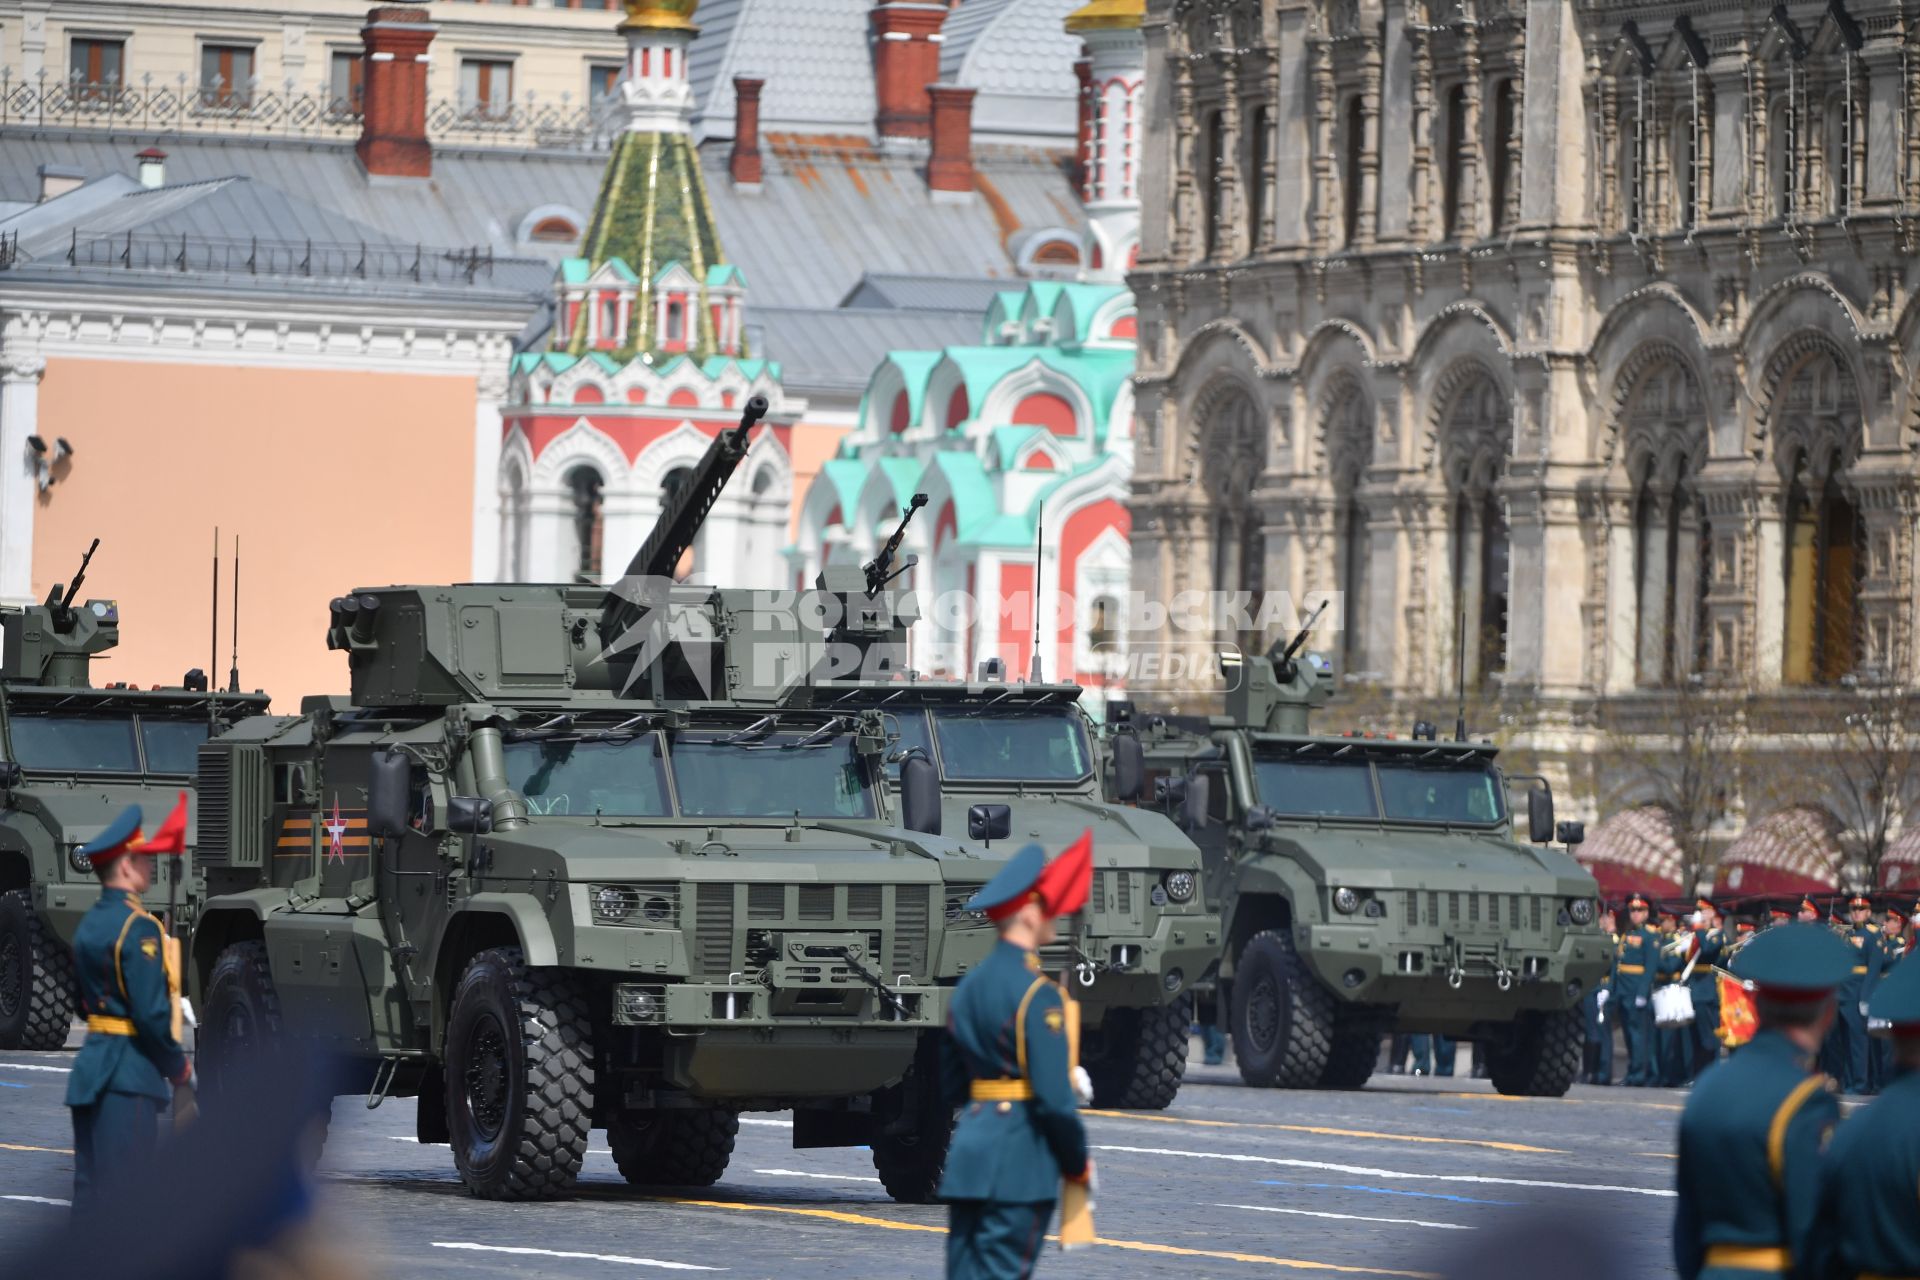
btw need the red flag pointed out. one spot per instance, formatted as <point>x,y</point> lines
<point>1064,885</point>
<point>170,836</point>
<point>1738,1018</point>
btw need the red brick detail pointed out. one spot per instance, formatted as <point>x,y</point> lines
<point>684,399</point>
<point>1038,460</point>
<point>393,122</point>
<point>1126,326</point>
<point>958,407</point>
<point>902,415</point>
<point>1045,409</point>
<point>950,166</point>
<point>744,161</point>
<point>588,393</point>
<point>905,62</point>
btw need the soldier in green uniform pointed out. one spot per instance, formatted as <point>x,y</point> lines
<point>1673,1045</point>
<point>1869,1215</point>
<point>1597,1055</point>
<point>1711,944</point>
<point>1754,1126</point>
<point>1636,958</point>
<point>1005,1060</point>
<point>1847,1045</point>
<point>1893,946</point>
<point>120,1076</point>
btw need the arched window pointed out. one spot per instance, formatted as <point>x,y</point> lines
<point>1818,423</point>
<point>1663,421</point>
<point>1506,164</point>
<point>1354,119</point>
<point>610,318</point>
<point>513,524</point>
<point>676,320</point>
<point>1633,172</point>
<point>1349,434</point>
<point>1103,625</point>
<point>1686,172</point>
<point>1213,182</point>
<point>1454,216</point>
<point>1784,150</point>
<point>1057,253</point>
<point>553,231</point>
<point>1228,422</point>
<point>1260,147</point>
<point>1476,435</point>
<point>585,493</point>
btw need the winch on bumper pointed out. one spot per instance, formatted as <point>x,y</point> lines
<point>1458,975</point>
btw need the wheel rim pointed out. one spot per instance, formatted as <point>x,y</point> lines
<point>1263,1014</point>
<point>485,1077</point>
<point>13,977</point>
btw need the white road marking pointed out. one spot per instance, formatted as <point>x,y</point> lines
<point>1367,1172</point>
<point>771,1124</point>
<point>824,1177</point>
<point>447,1146</point>
<point>32,1066</point>
<point>523,1251</point>
<point>1348,1217</point>
<point>64,1204</point>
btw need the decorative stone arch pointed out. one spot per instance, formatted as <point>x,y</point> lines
<point>1819,429</point>
<point>514,492</point>
<point>884,390</point>
<point>1627,445</point>
<point>1469,423</point>
<point>1445,333</point>
<point>1120,417</point>
<point>1461,345</point>
<point>1346,429</point>
<point>1904,351</point>
<point>1794,315</point>
<point>1116,320</point>
<point>1229,448</point>
<point>946,395</point>
<point>1328,338</point>
<point>1036,377</point>
<point>581,443</point>
<point>1205,343</point>
<point>680,447</point>
<point>1649,325</point>
<point>535,227</point>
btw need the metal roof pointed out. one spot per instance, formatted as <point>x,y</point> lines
<point>835,349</point>
<point>887,290</point>
<point>1019,56</point>
<point>813,54</point>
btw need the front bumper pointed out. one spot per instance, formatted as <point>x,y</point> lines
<point>1451,981</point>
<point>1134,968</point>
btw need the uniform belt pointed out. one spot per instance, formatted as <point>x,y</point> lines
<point>1007,1090</point>
<point>1750,1257</point>
<point>1859,968</point>
<point>1633,968</point>
<point>109,1026</point>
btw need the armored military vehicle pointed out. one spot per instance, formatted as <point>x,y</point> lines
<point>1018,762</point>
<point>531,875</point>
<point>1371,884</point>
<point>71,757</point>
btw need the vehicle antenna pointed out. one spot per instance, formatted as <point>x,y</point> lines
<point>1460,665</point>
<point>213,648</point>
<point>1034,674</point>
<point>233,672</point>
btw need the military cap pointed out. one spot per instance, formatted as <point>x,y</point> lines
<point>1743,926</point>
<point>1637,903</point>
<point>1779,913</point>
<point>122,835</point>
<point>1859,900</point>
<point>1008,891</point>
<point>1896,1000</point>
<point>1806,904</point>
<point>1705,904</point>
<point>1795,962</point>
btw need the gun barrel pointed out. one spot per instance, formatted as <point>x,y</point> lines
<point>686,510</point>
<point>879,567</point>
<point>1305,629</point>
<point>73,588</point>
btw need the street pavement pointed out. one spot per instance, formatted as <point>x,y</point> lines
<point>1401,1178</point>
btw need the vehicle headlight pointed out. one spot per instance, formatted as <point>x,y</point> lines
<point>614,902</point>
<point>1180,885</point>
<point>1345,901</point>
<point>1580,911</point>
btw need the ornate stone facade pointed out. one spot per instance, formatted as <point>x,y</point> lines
<point>1584,332</point>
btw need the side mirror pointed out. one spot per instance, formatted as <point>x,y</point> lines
<point>1258,817</point>
<point>297,783</point>
<point>10,774</point>
<point>1540,815</point>
<point>1193,811</point>
<point>469,815</point>
<point>1129,767</point>
<point>920,794</point>
<point>989,822</point>
<point>1572,833</point>
<point>389,776</point>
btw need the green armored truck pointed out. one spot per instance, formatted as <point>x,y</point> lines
<point>1371,884</point>
<point>518,876</point>
<point>72,756</point>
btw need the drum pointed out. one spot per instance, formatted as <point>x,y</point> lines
<point>1672,1005</point>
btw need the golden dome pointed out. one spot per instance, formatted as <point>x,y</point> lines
<point>1107,15</point>
<point>671,15</point>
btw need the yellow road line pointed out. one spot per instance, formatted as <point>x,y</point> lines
<point>1326,1132</point>
<point>1137,1246</point>
<point>1570,1102</point>
<point>54,1151</point>
<point>1657,1155</point>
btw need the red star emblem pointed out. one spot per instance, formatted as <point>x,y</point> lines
<point>336,829</point>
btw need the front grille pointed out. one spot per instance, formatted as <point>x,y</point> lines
<point>766,902</point>
<point>864,902</point>
<point>816,902</point>
<point>213,793</point>
<point>958,917</point>
<point>1120,891</point>
<point>713,929</point>
<point>910,928</point>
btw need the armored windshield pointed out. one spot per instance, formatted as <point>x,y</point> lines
<point>76,744</point>
<point>1017,745</point>
<point>911,728</point>
<point>172,746</point>
<point>615,779</point>
<point>1468,794</point>
<point>770,777</point>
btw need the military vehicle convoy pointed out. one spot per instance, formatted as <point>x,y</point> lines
<point>1371,884</point>
<point>532,876</point>
<point>72,756</point>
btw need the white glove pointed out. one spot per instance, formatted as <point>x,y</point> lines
<point>1604,996</point>
<point>1083,1086</point>
<point>1863,1008</point>
<point>1639,1002</point>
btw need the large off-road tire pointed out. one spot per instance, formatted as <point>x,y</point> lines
<point>1542,1059</point>
<point>673,1148</point>
<point>519,1078</point>
<point>239,1018</point>
<point>910,1164</point>
<point>1352,1058</point>
<point>1282,1016</point>
<point>1145,1057</point>
<point>36,978</point>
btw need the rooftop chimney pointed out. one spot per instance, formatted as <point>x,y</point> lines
<point>744,162</point>
<point>906,58</point>
<point>393,122</point>
<point>950,167</point>
<point>153,168</point>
